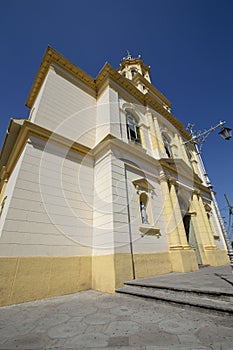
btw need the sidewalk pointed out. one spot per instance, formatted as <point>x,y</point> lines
<point>93,320</point>
<point>218,279</point>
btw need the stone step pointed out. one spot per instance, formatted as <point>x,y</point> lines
<point>185,299</point>
<point>195,292</point>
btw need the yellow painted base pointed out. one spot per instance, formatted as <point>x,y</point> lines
<point>152,264</point>
<point>103,273</point>
<point>111,271</point>
<point>216,257</point>
<point>183,260</point>
<point>31,278</point>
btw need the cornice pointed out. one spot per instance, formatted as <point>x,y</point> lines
<point>52,56</point>
<point>169,116</point>
<point>104,78</point>
<point>170,165</point>
<point>108,73</point>
<point>139,78</point>
<point>29,129</point>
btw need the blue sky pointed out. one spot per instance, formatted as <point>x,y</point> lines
<point>187,43</point>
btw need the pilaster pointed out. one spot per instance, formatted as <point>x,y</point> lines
<point>161,149</point>
<point>142,136</point>
<point>154,139</point>
<point>183,258</point>
<point>208,242</point>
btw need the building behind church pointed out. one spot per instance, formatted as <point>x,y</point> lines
<point>99,185</point>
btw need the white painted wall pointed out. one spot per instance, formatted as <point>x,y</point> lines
<point>65,108</point>
<point>51,207</point>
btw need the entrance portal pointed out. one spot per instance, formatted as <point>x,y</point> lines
<point>191,238</point>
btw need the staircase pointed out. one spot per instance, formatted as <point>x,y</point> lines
<point>218,301</point>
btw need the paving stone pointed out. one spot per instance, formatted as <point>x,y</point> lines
<point>44,323</point>
<point>122,310</point>
<point>147,316</point>
<point>70,328</point>
<point>98,318</point>
<point>121,328</point>
<point>175,326</point>
<point>118,341</point>
<point>179,347</point>
<point>158,338</point>
<point>84,341</point>
<point>28,341</point>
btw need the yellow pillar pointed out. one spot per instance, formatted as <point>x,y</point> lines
<point>182,149</point>
<point>159,136</point>
<point>154,139</point>
<point>172,227</point>
<point>207,224</point>
<point>178,216</point>
<point>209,246</point>
<point>142,135</point>
<point>183,258</point>
<point>201,223</point>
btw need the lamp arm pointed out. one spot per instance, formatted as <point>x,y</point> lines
<point>200,136</point>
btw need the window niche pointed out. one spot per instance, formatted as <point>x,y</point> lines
<point>133,131</point>
<point>145,192</point>
<point>134,72</point>
<point>167,146</point>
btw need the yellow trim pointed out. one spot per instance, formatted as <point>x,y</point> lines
<point>30,129</point>
<point>132,61</point>
<point>170,164</point>
<point>52,56</point>
<point>104,77</point>
<point>139,78</point>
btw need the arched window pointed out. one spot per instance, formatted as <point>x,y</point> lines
<point>133,131</point>
<point>133,72</point>
<point>167,146</point>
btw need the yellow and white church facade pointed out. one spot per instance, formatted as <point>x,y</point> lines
<point>99,186</point>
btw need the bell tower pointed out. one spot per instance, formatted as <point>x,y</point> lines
<point>130,67</point>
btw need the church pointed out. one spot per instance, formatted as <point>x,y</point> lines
<point>100,185</point>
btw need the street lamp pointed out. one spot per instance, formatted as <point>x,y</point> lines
<point>226,133</point>
<point>198,139</point>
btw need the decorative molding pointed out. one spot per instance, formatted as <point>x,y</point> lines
<point>147,230</point>
<point>30,129</point>
<point>52,56</point>
<point>139,78</point>
<point>104,78</point>
<point>143,184</point>
<point>197,192</point>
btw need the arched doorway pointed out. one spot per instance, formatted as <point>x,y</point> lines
<point>187,217</point>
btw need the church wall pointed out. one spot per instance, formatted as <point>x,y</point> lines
<point>65,108</point>
<point>8,192</point>
<point>147,244</point>
<point>46,242</point>
<point>103,207</point>
<point>108,119</point>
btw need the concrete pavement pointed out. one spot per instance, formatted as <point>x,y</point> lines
<point>93,320</point>
<point>209,288</point>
